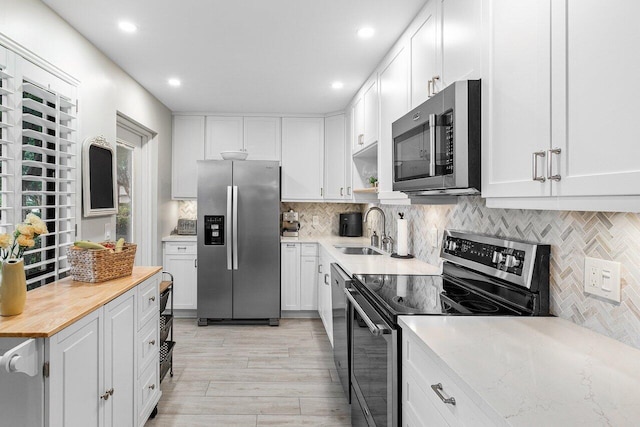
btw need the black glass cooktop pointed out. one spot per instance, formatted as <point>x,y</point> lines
<point>398,295</point>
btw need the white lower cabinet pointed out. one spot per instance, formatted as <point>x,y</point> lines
<point>94,366</point>
<point>299,266</point>
<point>426,386</point>
<point>181,260</point>
<point>324,292</point>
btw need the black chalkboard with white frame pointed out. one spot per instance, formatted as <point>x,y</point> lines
<point>99,187</point>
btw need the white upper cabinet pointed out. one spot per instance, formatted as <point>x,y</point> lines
<point>371,111</point>
<point>460,41</point>
<point>302,158</point>
<point>595,98</point>
<point>223,134</point>
<point>335,187</point>
<point>262,138</point>
<point>424,55</point>
<point>188,148</point>
<point>552,137</point>
<point>516,100</point>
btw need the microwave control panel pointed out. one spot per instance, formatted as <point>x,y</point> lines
<point>214,229</point>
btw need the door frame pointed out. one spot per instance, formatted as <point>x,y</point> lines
<point>147,234</point>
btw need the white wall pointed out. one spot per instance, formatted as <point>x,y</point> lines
<point>104,90</point>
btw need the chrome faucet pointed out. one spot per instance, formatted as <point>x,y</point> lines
<point>384,220</point>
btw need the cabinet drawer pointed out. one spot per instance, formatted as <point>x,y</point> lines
<point>309,249</point>
<point>417,409</point>
<point>148,344</point>
<point>420,372</point>
<point>174,248</point>
<point>148,392</point>
<point>148,301</point>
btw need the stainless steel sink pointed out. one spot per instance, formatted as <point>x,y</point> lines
<point>357,250</point>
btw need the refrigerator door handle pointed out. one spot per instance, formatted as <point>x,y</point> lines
<point>235,227</point>
<point>228,228</point>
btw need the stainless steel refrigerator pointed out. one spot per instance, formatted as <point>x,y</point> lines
<point>238,240</point>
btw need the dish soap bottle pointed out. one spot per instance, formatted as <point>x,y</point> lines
<point>375,241</point>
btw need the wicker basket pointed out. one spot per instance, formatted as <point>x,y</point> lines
<point>91,265</point>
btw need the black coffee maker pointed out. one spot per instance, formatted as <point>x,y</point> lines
<point>351,224</point>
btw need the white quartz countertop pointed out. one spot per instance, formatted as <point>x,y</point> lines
<point>366,264</point>
<point>177,238</point>
<point>537,371</point>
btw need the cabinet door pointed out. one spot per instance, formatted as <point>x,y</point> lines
<point>188,148</point>
<point>334,155</point>
<point>302,158</point>
<point>290,277</point>
<point>308,283</point>
<point>76,374</point>
<point>119,361</point>
<point>358,124</point>
<point>461,37</point>
<point>424,46</point>
<point>594,90</point>
<point>262,138</point>
<point>223,134</point>
<point>516,104</point>
<point>394,102</point>
<point>371,111</point>
<point>185,280</point>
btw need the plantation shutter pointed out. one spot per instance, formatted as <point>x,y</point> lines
<point>47,165</point>
<point>7,102</point>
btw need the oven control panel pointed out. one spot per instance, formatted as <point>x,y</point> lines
<point>501,258</point>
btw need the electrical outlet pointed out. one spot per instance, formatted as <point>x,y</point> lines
<point>433,237</point>
<point>602,278</point>
<point>107,232</point>
<point>316,220</point>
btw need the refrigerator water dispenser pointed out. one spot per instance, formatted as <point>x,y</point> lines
<point>214,229</point>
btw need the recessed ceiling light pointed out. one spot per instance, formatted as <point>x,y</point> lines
<point>365,32</point>
<point>174,82</point>
<point>337,85</point>
<point>127,27</point>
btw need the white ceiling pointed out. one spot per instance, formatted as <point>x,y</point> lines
<point>244,56</point>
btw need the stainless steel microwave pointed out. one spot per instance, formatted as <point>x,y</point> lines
<point>436,146</point>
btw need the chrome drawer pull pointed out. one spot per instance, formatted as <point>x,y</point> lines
<point>153,298</point>
<point>550,175</point>
<point>437,388</point>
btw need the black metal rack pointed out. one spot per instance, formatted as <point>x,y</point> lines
<point>166,326</point>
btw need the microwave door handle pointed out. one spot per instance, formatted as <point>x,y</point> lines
<point>432,144</point>
<point>375,330</point>
<point>228,227</point>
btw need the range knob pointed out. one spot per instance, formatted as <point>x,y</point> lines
<point>497,257</point>
<point>511,261</point>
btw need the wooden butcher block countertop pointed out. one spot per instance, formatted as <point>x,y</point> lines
<point>53,307</point>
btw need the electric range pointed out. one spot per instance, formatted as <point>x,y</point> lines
<point>481,276</point>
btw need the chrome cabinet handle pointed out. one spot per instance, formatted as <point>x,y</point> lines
<point>375,330</point>
<point>291,245</point>
<point>429,83</point>
<point>534,166</point>
<point>361,139</point>
<point>432,144</point>
<point>152,342</point>
<point>416,116</point>
<point>106,394</point>
<point>341,191</point>
<point>550,175</point>
<point>437,388</point>
<point>319,268</point>
<point>433,84</point>
<point>152,387</point>
<point>152,299</point>
<point>182,248</point>
<point>195,263</point>
<point>348,191</point>
<point>325,279</point>
<point>321,192</point>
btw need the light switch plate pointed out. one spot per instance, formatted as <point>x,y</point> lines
<point>107,232</point>
<point>602,278</point>
<point>316,220</point>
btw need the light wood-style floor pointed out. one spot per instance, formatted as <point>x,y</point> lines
<point>252,375</point>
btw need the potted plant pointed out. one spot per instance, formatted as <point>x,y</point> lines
<point>373,181</point>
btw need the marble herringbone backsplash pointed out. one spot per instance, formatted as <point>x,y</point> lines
<point>572,236</point>
<point>328,216</point>
<point>188,209</point>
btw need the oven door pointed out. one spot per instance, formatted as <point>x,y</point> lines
<point>374,365</point>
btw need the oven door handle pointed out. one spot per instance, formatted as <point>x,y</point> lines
<point>376,330</point>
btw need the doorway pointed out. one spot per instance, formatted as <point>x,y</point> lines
<point>136,216</point>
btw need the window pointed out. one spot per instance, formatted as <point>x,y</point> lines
<point>38,162</point>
